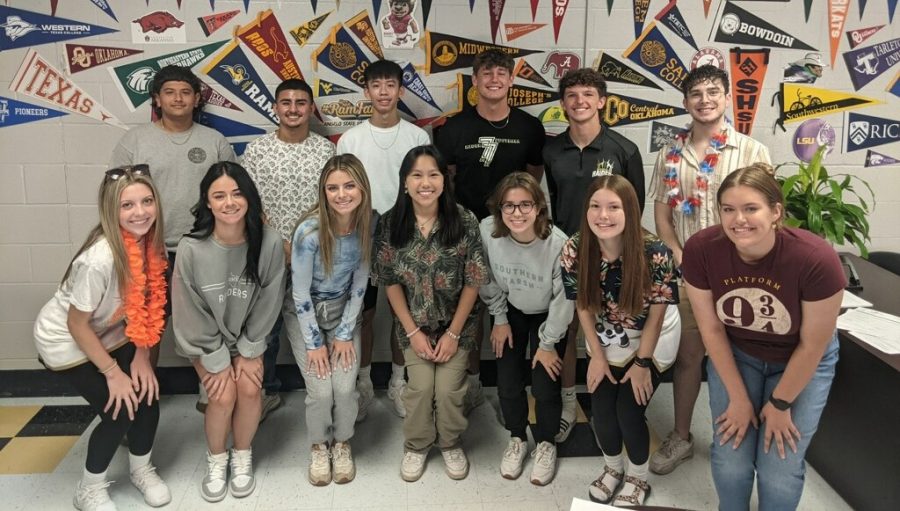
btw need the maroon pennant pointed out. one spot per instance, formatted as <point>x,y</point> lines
<point>495,10</point>
<point>559,12</point>
<point>80,57</point>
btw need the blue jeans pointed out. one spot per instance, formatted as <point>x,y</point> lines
<point>780,481</point>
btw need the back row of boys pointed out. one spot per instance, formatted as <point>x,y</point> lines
<point>482,145</point>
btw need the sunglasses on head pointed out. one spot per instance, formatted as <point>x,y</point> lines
<point>138,170</point>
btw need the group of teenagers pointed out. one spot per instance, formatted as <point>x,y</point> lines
<point>297,239</point>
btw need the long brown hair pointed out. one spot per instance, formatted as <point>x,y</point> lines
<point>527,182</point>
<point>635,275</point>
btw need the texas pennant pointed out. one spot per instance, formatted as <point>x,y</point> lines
<point>213,97</point>
<point>869,131</point>
<point>304,31</point>
<point>495,10</point>
<point>640,8</point>
<point>519,95</point>
<point>654,53</point>
<point>133,80</point>
<point>837,15</point>
<point>104,6</point>
<point>324,88</point>
<point>867,64</point>
<point>803,102</point>
<point>213,22</point>
<point>340,53</point>
<point>513,31</point>
<point>446,52</point>
<point>413,83</point>
<point>13,112</point>
<point>857,37</point>
<point>614,70</point>
<point>80,57</point>
<point>361,26</point>
<point>559,12</point>
<point>39,79</point>
<point>748,70</point>
<point>266,39</point>
<point>26,29</point>
<point>876,159</point>
<point>228,127</point>
<point>524,70</point>
<point>231,69</point>
<point>671,17</point>
<point>660,135</point>
<point>621,110</point>
<point>739,27</point>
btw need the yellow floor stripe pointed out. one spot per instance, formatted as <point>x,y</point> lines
<point>34,455</point>
<point>14,418</point>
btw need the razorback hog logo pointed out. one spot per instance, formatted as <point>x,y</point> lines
<point>158,22</point>
<point>561,62</point>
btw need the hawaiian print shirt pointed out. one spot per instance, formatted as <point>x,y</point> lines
<point>432,276</point>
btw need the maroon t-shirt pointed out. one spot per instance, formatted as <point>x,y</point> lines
<point>759,304</point>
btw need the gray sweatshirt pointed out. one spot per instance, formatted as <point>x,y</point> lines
<point>529,277</point>
<point>217,313</point>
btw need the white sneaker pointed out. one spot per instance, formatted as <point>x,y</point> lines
<point>366,394</point>
<point>413,466</point>
<point>544,464</point>
<point>154,489</point>
<point>456,463</point>
<point>344,469</point>
<point>566,420</point>
<point>395,392</point>
<point>93,497</point>
<point>242,481</point>
<point>513,458</point>
<point>474,396</point>
<point>215,484</point>
<point>319,465</point>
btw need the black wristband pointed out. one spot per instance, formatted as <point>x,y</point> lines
<point>643,362</point>
<point>780,404</point>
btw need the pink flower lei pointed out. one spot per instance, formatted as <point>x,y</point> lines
<point>676,199</point>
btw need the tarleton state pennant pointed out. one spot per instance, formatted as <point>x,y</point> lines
<point>524,71</point>
<point>671,17</point>
<point>495,11</point>
<point>361,26</point>
<point>802,102</point>
<point>39,79</point>
<point>340,53</point>
<point>559,12</point>
<point>513,31</point>
<point>837,15</point>
<point>104,6</point>
<point>213,97</point>
<point>739,27</point>
<point>748,70</point>
<point>864,131</point>
<point>858,36</point>
<point>414,84</point>
<point>266,39</point>
<point>519,95</point>
<point>80,57</point>
<point>213,22</point>
<point>654,53</point>
<point>621,110</point>
<point>867,64</point>
<point>304,31</point>
<point>446,52</point>
<point>232,70</point>
<point>614,70</point>
<point>26,29</point>
<point>876,159</point>
<point>324,88</point>
<point>14,112</point>
<point>640,8</point>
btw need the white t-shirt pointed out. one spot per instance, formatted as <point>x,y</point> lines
<point>381,151</point>
<point>92,287</point>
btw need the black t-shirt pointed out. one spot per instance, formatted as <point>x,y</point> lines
<point>484,153</point>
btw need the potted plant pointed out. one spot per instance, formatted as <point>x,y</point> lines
<point>818,202</point>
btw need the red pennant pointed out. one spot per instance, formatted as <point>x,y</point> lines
<point>837,14</point>
<point>706,4</point>
<point>559,12</point>
<point>495,10</point>
<point>534,4</point>
<point>514,31</point>
<point>748,69</point>
<point>266,39</point>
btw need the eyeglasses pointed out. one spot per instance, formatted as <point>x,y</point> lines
<point>524,207</point>
<point>713,94</point>
<point>141,169</point>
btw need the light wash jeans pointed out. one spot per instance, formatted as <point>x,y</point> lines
<point>332,402</point>
<point>779,481</point>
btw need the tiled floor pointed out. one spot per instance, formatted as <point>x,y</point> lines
<point>281,456</point>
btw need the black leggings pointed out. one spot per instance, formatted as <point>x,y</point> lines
<point>617,417</point>
<point>107,436</point>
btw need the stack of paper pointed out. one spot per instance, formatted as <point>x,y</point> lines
<point>879,329</point>
<point>851,301</point>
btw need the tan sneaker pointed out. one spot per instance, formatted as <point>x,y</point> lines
<point>544,464</point>
<point>319,465</point>
<point>513,458</point>
<point>671,453</point>
<point>413,466</point>
<point>343,468</point>
<point>456,463</point>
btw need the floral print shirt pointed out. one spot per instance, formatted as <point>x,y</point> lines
<point>432,276</point>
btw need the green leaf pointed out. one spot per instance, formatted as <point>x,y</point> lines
<point>839,224</point>
<point>814,218</point>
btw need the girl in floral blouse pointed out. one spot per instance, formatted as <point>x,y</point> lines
<point>429,257</point>
<point>622,279</point>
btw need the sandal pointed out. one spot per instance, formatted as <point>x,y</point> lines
<point>600,491</point>
<point>636,495</point>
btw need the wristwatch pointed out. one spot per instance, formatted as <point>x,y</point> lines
<point>643,362</point>
<point>780,404</point>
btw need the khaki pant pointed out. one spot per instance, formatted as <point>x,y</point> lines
<point>434,402</point>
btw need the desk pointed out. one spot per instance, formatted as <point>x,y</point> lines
<point>857,446</point>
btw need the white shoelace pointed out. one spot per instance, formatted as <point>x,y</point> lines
<point>542,454</point>
<point>241,465</point>
<point>320,459</point>
<point>215,469</point>
<point>341,454</point>
<point>96,494</point>
<point>146,476</point>
<point>513,451</point>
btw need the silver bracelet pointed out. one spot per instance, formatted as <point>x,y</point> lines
<point>413,332</point>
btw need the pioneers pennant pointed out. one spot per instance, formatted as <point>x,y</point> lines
<point>39,79</point>
<point>671,17</point>
<point>265,38</point>
<point>613,70</point>
<point>447,52</point>
<point>213,22</point>
<point>232,70</point>
<point>858,36</point>
<point>513,31</point>
<point>361,26</point>
<point>559,12</point>
<point>133,80</point>
<point>524,70</point>
<point>869,131</point>
<point>621,110</point>
<point>654,53</point>
<point>213,97</point>
<point>324,88</point>
<point>13,112</point>
<point>495,11</point>
<point>304,31</point>
<point>804,102</point>
<point>837,15</point>
<point>867,64</point>
<point>737,26</point>
<point>519,95</point>
<point>876,159</point>
<point>104,6</point>
<point>640,8</point>
<point>660,135</point>
<point>748,69</point>
<point>26,29</point>
<point>413,83</point>
<point>228,127</point>
<point>80,57</point>
<point>340,53</point>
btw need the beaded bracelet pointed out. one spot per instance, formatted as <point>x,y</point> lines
<point>413,332</point>
<point>452,335</point>
<point>110,368</point>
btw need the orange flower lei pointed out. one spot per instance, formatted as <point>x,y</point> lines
<point>145,298</point>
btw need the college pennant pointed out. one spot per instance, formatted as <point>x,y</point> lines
<point>345,113</point>
<point>739,27</point>
<point>803,102</point>
<point>621,110</point>
<point>324,88</point>
<point>213,22</point>
<point>524,70</point>
<point>232,70</point>
<point>304,31</point>
<point>867,64</point>
<point>266,39</point>
<point>447,52</point>
<point>426,10</point>
<point>26,29</point>
<point>519,95</point>
<point>534,6</point>
<point>748,70</point>
<point>559,12</point>
<point>876,159</point>
<point>671,17</point>
<point>361,26</point>
<point>228,127</point>
<point>80,57</point>
<point>340,53</point>
<point>858,36</point>
<point>495,10</point>
<point>654,53</point>
<point>104,6</point>
<point>213,97</point>
<point>660,135</point>
<point>614,70</point>
<point>894,87</point>
<point>39,79</point>
<point>807,8</point>
<point>14,112</point>
<point>892,6</point>
<point>413,83</point>
<point>837,15</point>
<point>706,4</point>
<point>865,131</point>
<point>640,8</point>
<point>513,31</point>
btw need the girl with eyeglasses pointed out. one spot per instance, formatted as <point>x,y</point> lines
<point>623,280</point>
<point>227,291</point>
<point>531,314</point>
<point>98,329</point>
